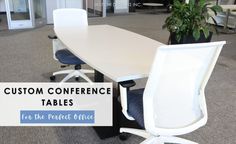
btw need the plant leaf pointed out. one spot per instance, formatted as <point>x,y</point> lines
<point>206,32</point>
<point>216,8</point>
<point>191,4</point>
<point>196,33</point>
<point>215,24</point>
<point>190,18</point>
<point>178,37</point>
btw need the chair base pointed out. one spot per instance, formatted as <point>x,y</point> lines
<point>73,73</point>
<point>124,136</point>
<point>150,139</point>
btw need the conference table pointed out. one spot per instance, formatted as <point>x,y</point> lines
<point>119,54</point>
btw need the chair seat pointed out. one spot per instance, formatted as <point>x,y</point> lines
<point>66,57</point>
<point>135,105</point>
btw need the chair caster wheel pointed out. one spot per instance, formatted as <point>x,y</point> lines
<point>52,78</point>
<point>77,79</point>
<point>124,136</point>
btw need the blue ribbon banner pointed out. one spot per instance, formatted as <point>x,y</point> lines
<point>59,117</point>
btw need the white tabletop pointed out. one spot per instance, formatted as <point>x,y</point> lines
<point>117,53</point>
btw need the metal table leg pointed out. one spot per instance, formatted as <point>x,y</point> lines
<point>106,131</point>
<point>98,77</point>
<point>119,119</point>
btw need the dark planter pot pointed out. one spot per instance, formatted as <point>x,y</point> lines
<point>190,39</point>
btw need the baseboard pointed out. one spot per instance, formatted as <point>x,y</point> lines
<point>121,11</point>
<point>96,12</point>
<point>3,13</point>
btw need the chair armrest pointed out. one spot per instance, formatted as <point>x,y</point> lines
<point>52,36</point>
<point>124,87</point>
<point>56,44</point>
<point>128,84</point>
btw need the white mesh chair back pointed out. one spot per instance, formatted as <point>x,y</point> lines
<point>67,17</point>
<point>174,100</point>
<point>70,17</point>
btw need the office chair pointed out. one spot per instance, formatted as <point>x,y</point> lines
<point>173,101</point>
<point>76,18</point>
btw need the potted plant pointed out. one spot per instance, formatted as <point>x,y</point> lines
<point>188,21</point>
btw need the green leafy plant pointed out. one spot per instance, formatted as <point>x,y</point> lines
<point>190,18</point>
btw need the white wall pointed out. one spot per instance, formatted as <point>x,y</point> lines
<point>121,6</point>
<point>50,6</point>
<point>2,6</point>
<point>55,4</point>
<point>70,3</point>
<point>74,4</point>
